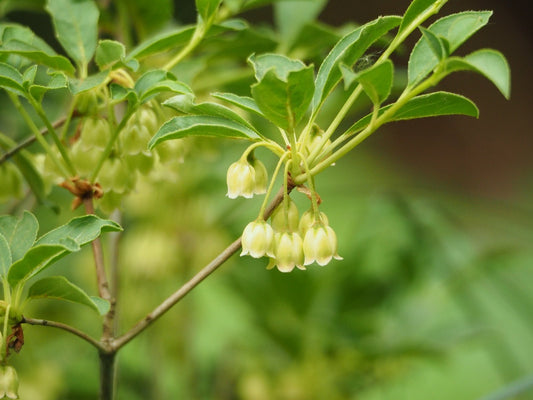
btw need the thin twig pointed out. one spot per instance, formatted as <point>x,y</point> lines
<point>30,140</point>
<point>65,327</point>
<point>101,278</point>
<point>191,284</point>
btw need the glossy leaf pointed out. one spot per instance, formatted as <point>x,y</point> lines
<point>186,105</point>
<point>347,51</point>
<point>487,62</point>
<point>5,256</point>
<point>284,89</point>
<point>426,105</point>
<point>16,39</point>
<point>192,125</point>
<point>60,288</point>
<point>58,243</point>
<point>207,8</point>
<point>11,79</point>
<point>377,81</point>
<point>76,27</point>
<point>455,29</point>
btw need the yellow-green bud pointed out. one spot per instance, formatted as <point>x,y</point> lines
<point>308,220</point>
<point>9,382</point>
<point>320,245</point>
<point>257,239</point>
<point>286,216</point>
<point>261,176</point>
<point>240,180</point>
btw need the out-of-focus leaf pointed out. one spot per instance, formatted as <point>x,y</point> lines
<point>284,88</point>
<point>16,39</point>
<point>11,79</point>
<point>109,52</point>
<point>58,243</point>
<point>347,51</point>
<point>207,8</point>
<point>426,105</point>
<point>150,16</point>
<point>192,125</point>
<point>60,288</point>
<point>76,27</point>
<point>455,29</point>
<point>487,62</point>
<point>163,42</point>
<point>291,17</point>
<point>20,233</point>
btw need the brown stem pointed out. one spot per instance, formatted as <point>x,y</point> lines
<point>68,328</point>
<point>30,140</point>
<point>191,284</point>
<point>107,374</point>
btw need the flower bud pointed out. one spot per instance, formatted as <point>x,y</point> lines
<point>240,180</point>
<point>288,251</point>
<point>135,139</point>
<point>148,118</point>
<point>320,245</point>
<point>84,159</point>
<point>308,220</point>
<point>115,176</point>
<point>286,216</point>
<point>96,132</point>
<point>261,176</point>
<point>9,382</point>
<point>257,239</point>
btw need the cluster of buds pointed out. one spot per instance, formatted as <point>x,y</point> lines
<point>246,177</point>
<point>289,241</point>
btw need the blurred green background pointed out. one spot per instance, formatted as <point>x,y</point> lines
<point>433,299</point>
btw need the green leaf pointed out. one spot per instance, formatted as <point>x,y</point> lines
<point>192,125</point>
<point>55,81</point>
<point>347,51</point>
<point>438,45</point>
<point>58,243</point>
<point>292,16</point>
<point>59,288</point>
<point>78,86</point>
<point>284,89</point>
<point>185,104</point>
<point>11,79</point>
<point>377,81</point>
<point>76,27</point>
<point>416,9</point>
<point>157,81</point>
<point>243,102</point>
<point>487,62</point>
<point>109,52</point>
<point>426,105</point>
<point>455,29</point>
<point>150,16</point>
<point>20,233</point>
<point>5,256</point>
<point>207,8</point>
<point>16,39</point>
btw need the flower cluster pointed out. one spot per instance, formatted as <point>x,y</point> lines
<point>290,241</point>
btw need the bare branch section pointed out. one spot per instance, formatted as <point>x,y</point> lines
<point>191,284</point>
<point>65,327</point>
<point>29,141</point>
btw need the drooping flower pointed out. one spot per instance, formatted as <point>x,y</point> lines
<point>261,176</point>
<point>288,252</point>
<point>9,382</point>
<point>320,245</point>
<point>257,239</point>
<point>286,217</point>
<point>308,219</point>
<point>240,180</point>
